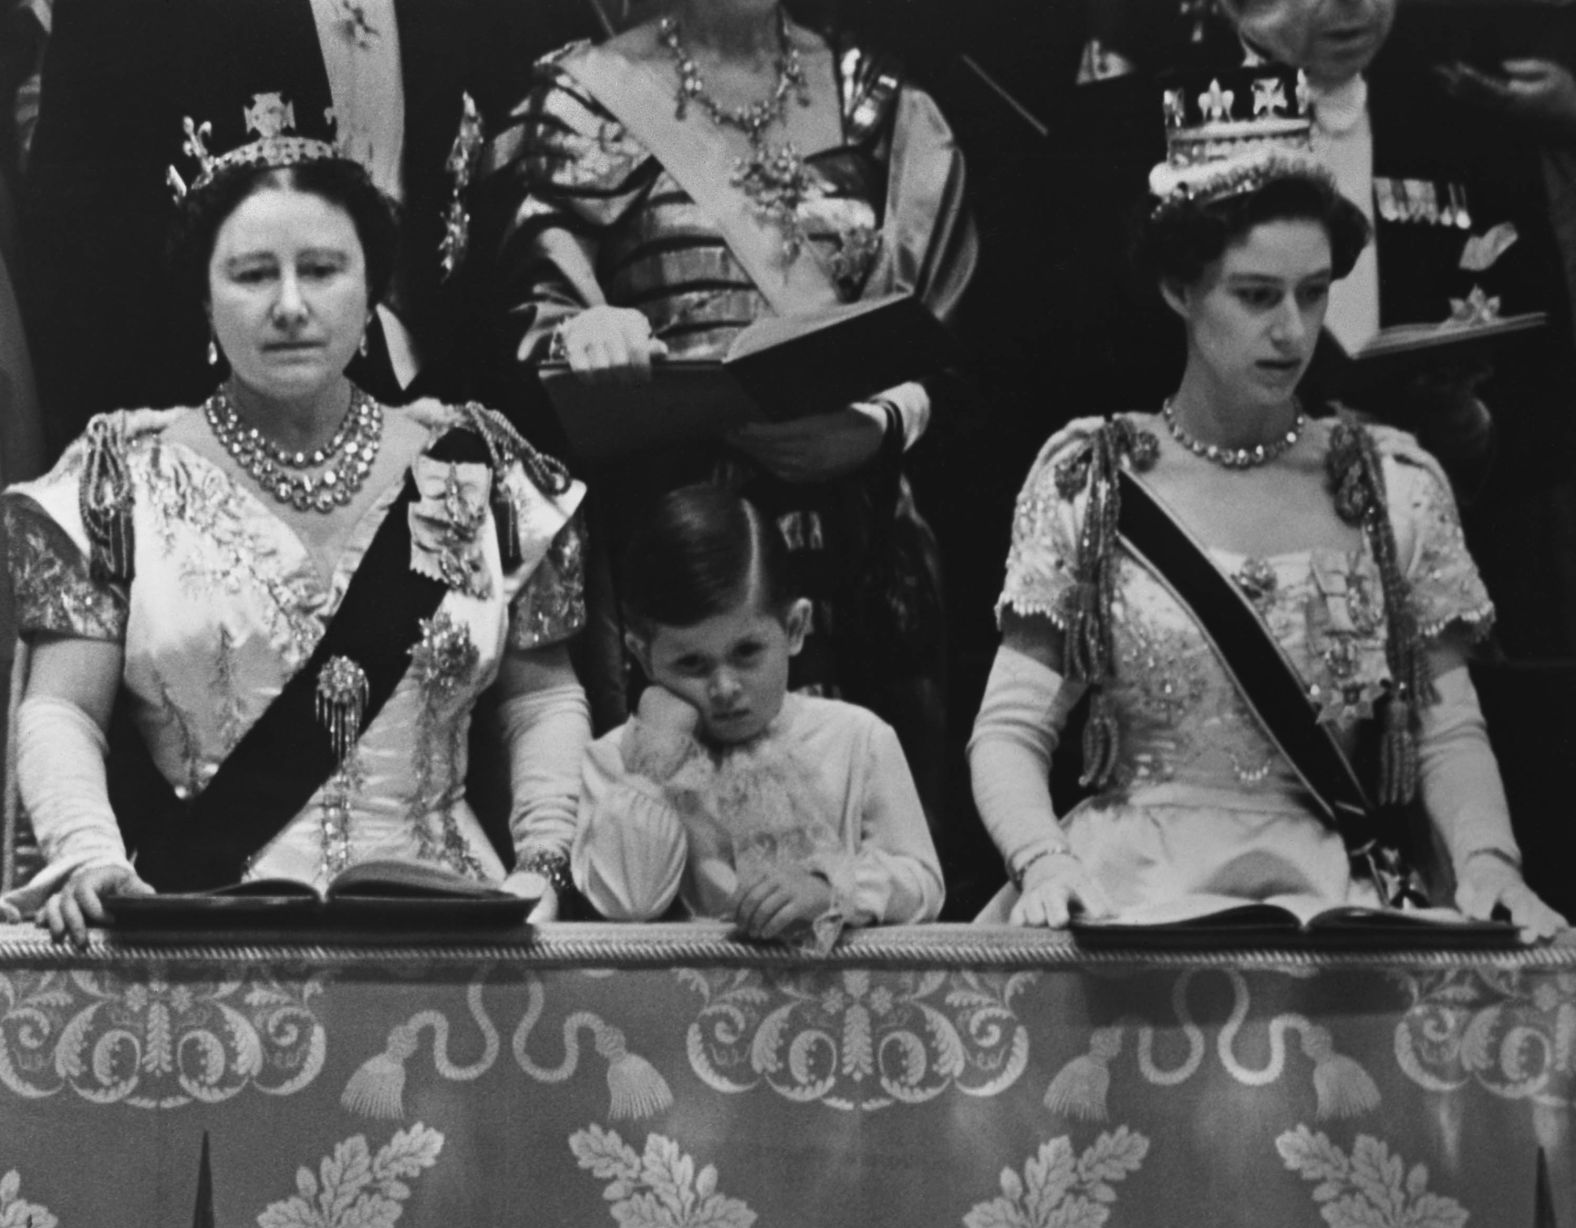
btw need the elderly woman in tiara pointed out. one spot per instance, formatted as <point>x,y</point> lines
<point>1243,589</point>
<point>297,594</point>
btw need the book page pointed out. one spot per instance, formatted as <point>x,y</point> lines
<point>393,878</point>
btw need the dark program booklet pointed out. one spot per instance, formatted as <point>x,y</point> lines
<point>399,895</point>
<point>776,369</point>
<point>1227,921</point>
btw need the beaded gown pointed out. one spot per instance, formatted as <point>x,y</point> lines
<point>1202,801</point>
<point>226,604</point>
<point>593,217</point>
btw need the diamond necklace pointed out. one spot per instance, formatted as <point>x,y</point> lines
<point>1233,458</point>
<point>774,179</point>
<point>348,456</point>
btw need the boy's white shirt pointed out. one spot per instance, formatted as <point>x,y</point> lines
<point>641,842</point>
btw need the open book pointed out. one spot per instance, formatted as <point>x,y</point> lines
<point>386,893</point>
<point>780,367</point>
<point>1229,921</point>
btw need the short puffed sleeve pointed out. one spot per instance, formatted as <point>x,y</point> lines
<point>552,605</point>
<point>1042,561</point>
<point>1446,589</point>
<point>49,557</point>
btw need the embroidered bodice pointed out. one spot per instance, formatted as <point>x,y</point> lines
<point>1182,720</point>
<point>226,604</point>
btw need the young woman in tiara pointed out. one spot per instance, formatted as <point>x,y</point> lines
<point>1242,590</point>
<point>297,594</point>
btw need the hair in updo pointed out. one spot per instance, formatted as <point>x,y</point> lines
<point>1177,242</point>
<point>696,554</point>
<point>339,181</point>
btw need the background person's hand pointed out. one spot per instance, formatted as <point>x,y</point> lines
<point>817,448</point>
<point>1540,93</point>
<point>80,901</point>
<point>610,344</point>
<point>1487,882</point>
<point>780,900</point>
<point>1055,886</point>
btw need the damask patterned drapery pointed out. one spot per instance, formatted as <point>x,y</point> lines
<point>668,1076</point>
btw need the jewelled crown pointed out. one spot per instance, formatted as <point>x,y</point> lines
<point>277,143</point>
<point>1231,133</point>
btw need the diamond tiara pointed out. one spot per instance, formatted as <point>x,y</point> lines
<point>272,118</point>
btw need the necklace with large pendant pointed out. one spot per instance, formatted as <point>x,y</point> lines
<point>773,177</point>
<point>1234,458</point>
<point>342,465</point>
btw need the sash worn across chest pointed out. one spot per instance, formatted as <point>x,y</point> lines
<point>1259,669</point>
<point>286,756</point>
<point>702,163</point>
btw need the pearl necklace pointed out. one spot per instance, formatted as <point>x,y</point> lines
<point>1233,458</point>
<point>348,456</point>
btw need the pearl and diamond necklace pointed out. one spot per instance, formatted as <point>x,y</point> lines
<point>346,460</point>
<point>1234,458</point>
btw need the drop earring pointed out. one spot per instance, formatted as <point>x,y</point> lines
<point>362,348</point>
<point>213,352</point>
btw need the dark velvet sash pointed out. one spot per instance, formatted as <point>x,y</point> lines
<point>286,756</point>
<point>1265,679</point>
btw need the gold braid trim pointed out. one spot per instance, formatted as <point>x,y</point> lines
<point>106,499</point>
<point>505,445</point>
<point>1089,646</point>
<point>1353,466</point>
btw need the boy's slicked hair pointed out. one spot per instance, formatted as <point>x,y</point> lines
<point>695,554</point>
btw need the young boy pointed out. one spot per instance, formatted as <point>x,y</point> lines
<point>789,815</point>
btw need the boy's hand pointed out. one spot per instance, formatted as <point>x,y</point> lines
<point>665,712</point>
<point>784,897</point>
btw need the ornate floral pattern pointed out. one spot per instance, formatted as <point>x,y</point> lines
<point>354,1188</point>
<point>1060,1189</point>
<point>1368,1189</point>
<point>552,605</point>
<point>858,1039</point>
<point>659,1189</point>
<point>1486,1027</point>
<point>150,1042</point>
<point>50,575</point>
<point>16,1212</point>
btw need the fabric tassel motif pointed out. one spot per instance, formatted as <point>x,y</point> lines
<point>106,500</point>
<point>342,694</point>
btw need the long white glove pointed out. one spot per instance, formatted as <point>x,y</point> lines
<point>60,774</point>
<point>1019,724</point>
<point>545,735</point>
<point>1465,799</point>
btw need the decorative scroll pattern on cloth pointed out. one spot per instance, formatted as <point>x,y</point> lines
<point>1342,1086</point>
<point>354,1188</point>
<point>155,1042</point>
<point>1368,1189</point>
<point>1511,1035</point>
<point>659,1189</point>
<point>858,1039</point>
<point>634,1085</point>
<point>16,1212</point>
<point>1059,1189</point>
